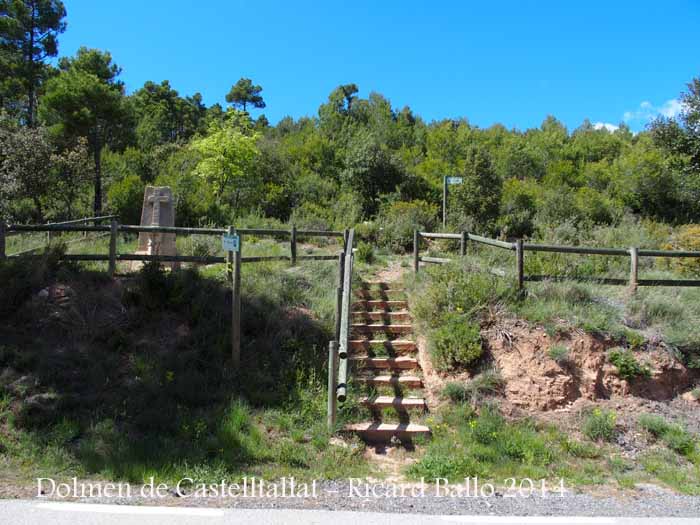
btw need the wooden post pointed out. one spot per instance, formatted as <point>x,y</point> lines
<point>634,269</point>
<point>463,244</point>
<point>444,201</point>
<point>416,248</point>
<point>114,227</point>
<point>345,240</point>
<point>3,255</point>
<point>293,243</point>
<point>332,383</point>
<point>339,295</point>
<point>519,263</point>
<point>236,307</point>
<point>85,223</point>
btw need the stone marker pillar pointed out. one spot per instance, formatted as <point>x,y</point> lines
<point>158,210</point>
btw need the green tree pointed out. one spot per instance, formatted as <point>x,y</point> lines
<point>369,170</point>
<point>25,163</point>
<point>87,100</point>
<point>476,201</point>
<point>244,92</point>
<point>227,157</point>
<point>28,36</point>
<point>164,116</point>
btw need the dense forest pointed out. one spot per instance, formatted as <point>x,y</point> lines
<point>74,143</point>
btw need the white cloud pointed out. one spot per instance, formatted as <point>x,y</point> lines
<point>646,112</point>
<point>610,127</point>
<point>672,108</point>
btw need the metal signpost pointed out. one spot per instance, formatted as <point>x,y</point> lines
<point>446,181</point>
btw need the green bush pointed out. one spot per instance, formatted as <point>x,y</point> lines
<point>367,231</point>
<point>600,425</point>
<point>125,199</point>
<point>365,252</point>
<point>627,366</point>
<point>453,287</point>
<point>399,220</point>
<point>456,343</point>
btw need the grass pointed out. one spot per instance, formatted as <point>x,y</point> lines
<point>559,353</point>
<point>467,444</point>
<point>475,390</point>
<point>674,436</point>
<point>133,381</point>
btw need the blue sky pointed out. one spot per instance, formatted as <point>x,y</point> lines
<point>509,62</point>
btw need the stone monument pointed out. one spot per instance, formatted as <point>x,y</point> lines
<point>158,210</point>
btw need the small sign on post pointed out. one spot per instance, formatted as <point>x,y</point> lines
<point>447,181</point>
<point>230,242</point>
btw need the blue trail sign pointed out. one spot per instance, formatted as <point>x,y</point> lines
<point>230,242</point>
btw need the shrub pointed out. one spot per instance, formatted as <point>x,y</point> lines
<point>456,343</point>
<point>686,238</point>
<point>627,366</point>
<point>367,231</point>
<point>676,437</point>
<point>599,425</point>
<point>125,199</point>
<point>451,287</point>
<point>655,425</point>
<point>365,252</point>
<point>399,219</point>
<point>312,216</point>
<point>484,384</point>
<point>517,208</point>
<point>559,353</point>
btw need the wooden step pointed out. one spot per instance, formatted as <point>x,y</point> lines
<point>376,284</point>
<point>398,345</point>
<point>400,363</point>
<point>374,431</point>
<point>407,381</point>
<point>402,315</point>
<point>386,328</point>
<point>399,403</point>
<point>366,292</point>
<point>370,304</point>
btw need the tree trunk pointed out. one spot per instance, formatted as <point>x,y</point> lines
<point>39,209</point>
<point>97,153</point>
<point>30,69</point>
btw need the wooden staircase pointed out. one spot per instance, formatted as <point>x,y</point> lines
<point>383,357</point>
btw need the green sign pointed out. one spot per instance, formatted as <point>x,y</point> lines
<point>230,242</point>
<point>454,180</point>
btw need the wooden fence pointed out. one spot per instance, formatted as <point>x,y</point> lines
<point>114,228</point>
<point>50,234</point>
<point>520,247</point>
<point>338,349</point>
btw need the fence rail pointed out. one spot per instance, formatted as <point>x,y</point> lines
<point>339,349</point>
<point>520,247</point>
<point>80,225</point>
